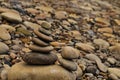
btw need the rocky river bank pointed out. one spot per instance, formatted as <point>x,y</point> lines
<point>59,40</point>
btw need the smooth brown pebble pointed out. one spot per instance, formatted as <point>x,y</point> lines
<point>70,53</point>
<point>68,64</point>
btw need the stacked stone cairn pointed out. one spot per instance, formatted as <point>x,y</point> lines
<point>41,51</point>
<point>41,62</point>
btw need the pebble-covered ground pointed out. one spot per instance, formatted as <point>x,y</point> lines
<point>59,40</point>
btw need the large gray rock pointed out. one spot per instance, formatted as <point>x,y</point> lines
<point>21,71</point>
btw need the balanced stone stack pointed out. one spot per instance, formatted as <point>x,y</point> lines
<point>40,62</point>
<point>68,54</point>
<point>41,51</point>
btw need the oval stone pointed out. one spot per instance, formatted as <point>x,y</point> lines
<point>70,53</point>
<point>39,58</point>
<point>3,48</point>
